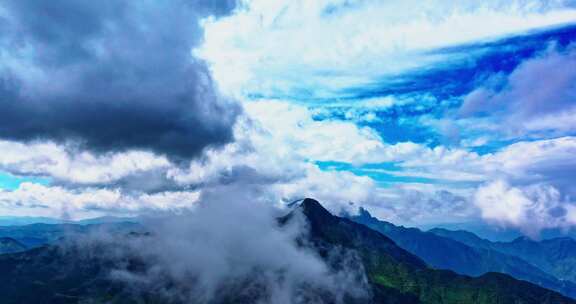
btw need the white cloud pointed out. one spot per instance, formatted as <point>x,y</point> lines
<point>274,148</point>
<point>326,140</point>
<point>335,189</point>
<point>530,208</point>
<point>269,47</point>
<point>529,103</point>
<point>56,161</point>
<point>549,160</point>
<point>525,159</point>
<point>54,201</point>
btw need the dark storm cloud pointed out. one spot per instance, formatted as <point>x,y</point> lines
<point>111,76</point>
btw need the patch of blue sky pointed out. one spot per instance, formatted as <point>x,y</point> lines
<point>397,107</point>
<point>489,148</point>
<point>394,124</point>
<point>334,165</point>
<point>528,42</point>
<point>393,131</point>
<point>436,92</point>
<point>387,174</point>
<point>12,182</point>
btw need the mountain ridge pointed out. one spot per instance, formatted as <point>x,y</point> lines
<point>415,282</point>
<point>447,253</point>
<point>556,255</point>
<point>10,245</point>
<point>63,273</point>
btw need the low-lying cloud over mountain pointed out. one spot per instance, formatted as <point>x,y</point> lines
<point>426,113</point>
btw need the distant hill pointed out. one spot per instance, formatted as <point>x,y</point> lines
<point>35,235</point>
<point>556,256</point>
<point>497,233</point>
<point>107,220</point>
<point>447,253</point>
<point>10,245</point>
<point>28,220</point>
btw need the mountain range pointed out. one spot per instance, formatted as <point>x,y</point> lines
<point>556,256</point>
<point>34,235</point>
<point>443,252</point>
<point>49,274</point>
<point>28,220</point>
<point>10,245</point>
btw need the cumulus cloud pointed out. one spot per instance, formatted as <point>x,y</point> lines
<point>530,208</point>
<point>527,102</point>
<point>549,160</point>
<point>113,99</point>
<point>520,184</point>
<point>111,76</point>
<point>452,175</point>
<point>56,201</point>
<point>326,140</point>
<point>75,167</point>
<point>282,163</point>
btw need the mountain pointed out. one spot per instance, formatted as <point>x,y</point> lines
<point>556,256</point>
<point>27,220</point>
<point>35,235</point>
<point>497,233</point>
<point>398,276</point>
<point>10,245</point>
<point>66,274</point>
<point>446,253</point>
<point>57,275</point>
<point>106,220</point>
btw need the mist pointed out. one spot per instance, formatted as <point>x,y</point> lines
<point>230,247</point>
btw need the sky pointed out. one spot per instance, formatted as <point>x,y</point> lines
<point>422,112</point>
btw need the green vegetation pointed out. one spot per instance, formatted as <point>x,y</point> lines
<point>55,276</point>
<point>391,268</point>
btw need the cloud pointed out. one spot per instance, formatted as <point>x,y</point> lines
<point>137,181</point>
<point>419,206</point>
<point>75,167</point>
<point>111,76</point>
<point>530,208</point>
<point>55,201</point>
<point>150,85</point>
<point>528,102</point>
<point>368,40</point>
<point>549,160</point>
<point>513,186</point>
<point>197,257</point>
<point>325,140</point>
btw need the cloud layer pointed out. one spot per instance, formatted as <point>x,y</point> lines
<point>230,246</point>
<point>418,110</point>
<point>339,45</point>
<point>111,76</point>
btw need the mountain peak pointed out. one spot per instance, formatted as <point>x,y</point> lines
<point>312,205</point>
<point>315,211</point>
<point>364,214</point>
<point>522,239</point>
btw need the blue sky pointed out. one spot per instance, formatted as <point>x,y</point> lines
<point>444,96</point>
<point>11,182</point>
<point>424,113</point>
